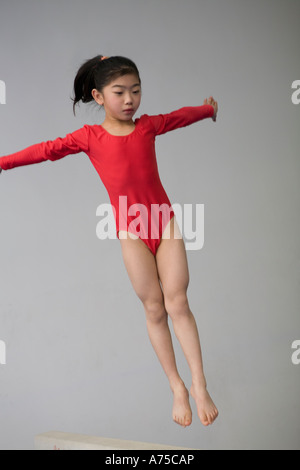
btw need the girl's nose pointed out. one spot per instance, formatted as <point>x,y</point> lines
<point>128,99</point>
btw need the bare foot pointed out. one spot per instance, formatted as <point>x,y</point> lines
<point>207,410</point>
<point>182,413</point>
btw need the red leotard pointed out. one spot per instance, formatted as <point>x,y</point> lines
<point>126,165</point>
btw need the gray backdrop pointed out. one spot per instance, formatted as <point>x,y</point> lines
<point>78,355</point>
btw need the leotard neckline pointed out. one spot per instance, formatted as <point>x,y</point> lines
<point>118,136</point>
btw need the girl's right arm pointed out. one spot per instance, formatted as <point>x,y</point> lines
<point>51,150</point>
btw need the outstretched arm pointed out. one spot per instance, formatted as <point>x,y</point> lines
<point>186,116</point>
<point>51,150</point>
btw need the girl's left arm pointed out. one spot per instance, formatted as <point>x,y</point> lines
<point>184,117</point>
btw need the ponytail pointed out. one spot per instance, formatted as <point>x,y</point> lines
<point>99,72</point>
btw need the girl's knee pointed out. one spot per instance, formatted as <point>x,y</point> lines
<point>177,304</point>
<point>155,310</point>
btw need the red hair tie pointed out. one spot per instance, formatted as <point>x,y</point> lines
<point>104,57</point>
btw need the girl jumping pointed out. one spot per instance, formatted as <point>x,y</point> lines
<point>122,150</point>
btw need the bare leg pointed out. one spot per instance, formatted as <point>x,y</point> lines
<point>173,272</point>
<point>142,270</point>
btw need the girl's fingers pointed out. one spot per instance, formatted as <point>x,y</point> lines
<point>213,103</point>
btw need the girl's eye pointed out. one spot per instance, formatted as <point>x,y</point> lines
<point>121,93</point>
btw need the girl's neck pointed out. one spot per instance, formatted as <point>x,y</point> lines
<point>119,128</point>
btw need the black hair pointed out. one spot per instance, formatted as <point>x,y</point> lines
<point>97,73</point>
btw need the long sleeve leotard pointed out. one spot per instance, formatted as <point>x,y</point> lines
<point>126,165</point>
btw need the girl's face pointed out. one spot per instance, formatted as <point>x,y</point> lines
<point>121,98</point>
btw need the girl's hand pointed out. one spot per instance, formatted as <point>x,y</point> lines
<point>213,103</point>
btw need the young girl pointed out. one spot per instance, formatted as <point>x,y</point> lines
<point>122,151</point>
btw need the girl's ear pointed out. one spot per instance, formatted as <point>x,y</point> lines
<point>98,97</point>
